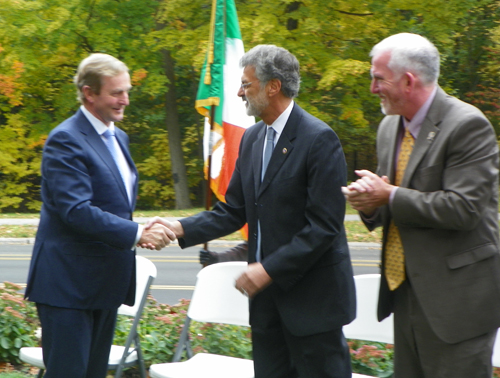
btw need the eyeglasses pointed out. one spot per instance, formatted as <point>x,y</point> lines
<point>244,86</point>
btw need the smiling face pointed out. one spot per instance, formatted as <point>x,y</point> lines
<point>254,95</point>
<point>387,85</point>
<point>109,105</point>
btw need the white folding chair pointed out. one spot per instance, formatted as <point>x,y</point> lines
<point>120,357</point>
<point>366,326</point>
<point>496,351</point>
<point>215,300</point>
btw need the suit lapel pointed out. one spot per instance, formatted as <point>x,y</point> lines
<point>95,141</point>
<point>257,152</point>
<point>428,133</point>
<point>283,148</point>
<point>391,139</point>
<point>120,136</point>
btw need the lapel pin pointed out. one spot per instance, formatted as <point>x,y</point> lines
<point>284,151</point>
<point>431,136</point>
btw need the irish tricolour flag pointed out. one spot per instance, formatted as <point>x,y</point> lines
<point>219,84</point>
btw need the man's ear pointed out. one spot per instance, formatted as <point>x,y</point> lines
<point>88,93</point>
<point>410,81</point>
<point>273,87</point>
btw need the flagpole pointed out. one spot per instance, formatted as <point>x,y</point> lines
<point>208,199</point>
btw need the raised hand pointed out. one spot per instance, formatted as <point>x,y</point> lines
<point>369,192</point>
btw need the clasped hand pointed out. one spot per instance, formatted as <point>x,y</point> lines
<point>159,232</point>
<point>368,192</point>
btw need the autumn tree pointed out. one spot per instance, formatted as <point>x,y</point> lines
<point>164,43</point>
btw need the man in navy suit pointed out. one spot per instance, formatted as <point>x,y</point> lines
<point>83,263</point>
<point>299,276</point>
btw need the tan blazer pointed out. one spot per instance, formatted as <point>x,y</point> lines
<point>447,213</point>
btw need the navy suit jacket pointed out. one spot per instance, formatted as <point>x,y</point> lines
<point>301,211</point>
<point>82,258</point>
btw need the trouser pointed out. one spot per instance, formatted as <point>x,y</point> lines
<point>76,343</point>
<point>420,353</point>
<point>279,354</point>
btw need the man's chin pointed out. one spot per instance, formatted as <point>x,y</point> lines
<point>250,111</point>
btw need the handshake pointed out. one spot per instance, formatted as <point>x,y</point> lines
<point>159,232</point>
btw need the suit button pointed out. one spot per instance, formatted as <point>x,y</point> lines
<point>255,236</point>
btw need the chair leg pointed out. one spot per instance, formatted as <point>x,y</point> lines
<point>140,357</point>
<point>183,341</point>
<point>40,373</point>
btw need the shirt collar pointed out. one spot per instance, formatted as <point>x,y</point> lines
<point>416,123</point>
<point>98,125</point>
<point>279,124</point>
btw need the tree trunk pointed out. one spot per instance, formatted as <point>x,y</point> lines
<point>181,188</point>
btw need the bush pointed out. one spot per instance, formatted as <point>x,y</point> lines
<point>18,323</point>
<point>161,325</point>
<point>159,330</point>
<point>371,358</point>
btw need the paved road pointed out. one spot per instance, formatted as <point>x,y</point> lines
<point>34,221</point>
<point>177,268</point>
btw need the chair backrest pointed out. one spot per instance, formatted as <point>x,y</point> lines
<point>145,273</point>
<point>215,298</point>
<point>366,326</point>
<point>496,351</point>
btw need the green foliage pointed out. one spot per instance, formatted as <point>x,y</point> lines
<point>13,375</point>
<point>371,358</point>
<point>20,158</point>
<point>17,323</point>
<point>42,42</point>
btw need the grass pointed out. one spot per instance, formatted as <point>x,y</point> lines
<point>9,371</point>
<point>356,231</point>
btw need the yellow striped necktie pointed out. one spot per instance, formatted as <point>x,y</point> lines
<point>394,253</point>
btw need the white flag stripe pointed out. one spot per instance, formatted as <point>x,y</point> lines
<point>234,111</point>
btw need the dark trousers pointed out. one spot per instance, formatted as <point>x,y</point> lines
<point>279,354</point>
<point>76,343</point>
<point>420,353</point>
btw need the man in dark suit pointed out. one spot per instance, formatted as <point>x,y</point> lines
<point>435,193</point>
<point>83,263</point>
<point>299,277</point>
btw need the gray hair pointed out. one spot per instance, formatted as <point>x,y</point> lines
<point>92,69</point>
<point>273,62</point>
<point>410,53</point>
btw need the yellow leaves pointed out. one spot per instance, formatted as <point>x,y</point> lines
<point>20,158</point>
<point>339,69</point>
<point>138,76</point>
<point>10,86</point>
<point>179,25</point>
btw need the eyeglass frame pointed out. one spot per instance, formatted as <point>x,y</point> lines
<point>244,86</point>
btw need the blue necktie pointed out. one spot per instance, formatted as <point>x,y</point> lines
<point>267,156</point>
<point>268,151</point>
<point>109,139</point>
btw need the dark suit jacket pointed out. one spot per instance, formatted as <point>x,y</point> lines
<point>82,257</point>
<point>301,210</point>
<point>446,210</point>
